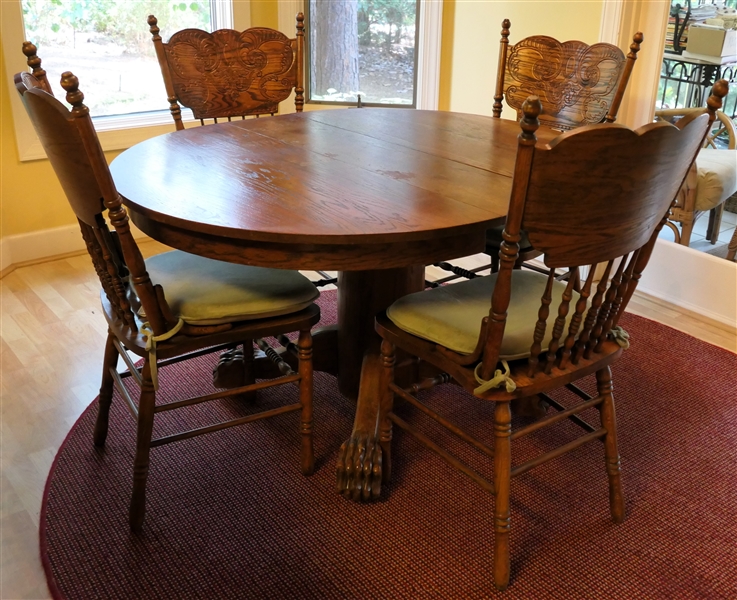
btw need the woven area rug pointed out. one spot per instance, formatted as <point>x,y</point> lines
<point>230,516</point>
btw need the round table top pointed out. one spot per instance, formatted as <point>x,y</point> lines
<point>323,181</point>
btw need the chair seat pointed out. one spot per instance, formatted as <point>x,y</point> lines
<point>494,239</point>
<point>451,315</point>
<point>717,177</point>
<point>203,291</point>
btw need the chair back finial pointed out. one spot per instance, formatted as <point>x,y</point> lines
<point>625,77</point>
<point>501,68</point>
<point>171,95</point>
<point>34,62</point>
<point>299,88</point>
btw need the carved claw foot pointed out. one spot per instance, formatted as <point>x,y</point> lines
<point>358,470</point>
<point>228,373</point>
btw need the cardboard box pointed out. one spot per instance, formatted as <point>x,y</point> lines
<point>711,41</point>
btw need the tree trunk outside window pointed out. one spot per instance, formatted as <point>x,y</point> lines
<point>333,39</point>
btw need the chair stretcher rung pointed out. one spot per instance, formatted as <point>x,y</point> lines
<point>132,371</point>
<point>452,277</point>
<point>575,418</point>
<point>481,447</point>
<point>225,424</point>
<point>446,456</point>
<point>195,354</point>
<point>556,417</point>
<point>578,391</point>
<point>524,467</point>
<point>226,393</point>
<point>118,380</point>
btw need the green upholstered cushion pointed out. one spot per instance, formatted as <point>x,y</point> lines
<point>494,239</point>
<point>203,291</point>
<point>717,177</point>
<point>451,315</point>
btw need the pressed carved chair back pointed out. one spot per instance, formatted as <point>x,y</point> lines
<point>74,151</point>
<point>230,73</point>
<point>592,201</point>
<point>577,84</point>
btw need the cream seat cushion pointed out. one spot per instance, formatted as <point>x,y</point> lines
<point>717,177</point>
<point>451,315</point>
<point>203,291</point>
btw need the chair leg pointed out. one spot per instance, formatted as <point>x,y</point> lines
<point>715,223</point>
<point>386,406</point>
<point>110,361</point>
<point>249,369</point>
<point>307,455</point>
<point>686,229</point>
<point>732,248</point>
<point>494,262</point>
<point>502,478</point>
<point>143,447</point>
<point>611,451</point>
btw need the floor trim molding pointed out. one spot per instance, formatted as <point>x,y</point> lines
<point>45,245</point>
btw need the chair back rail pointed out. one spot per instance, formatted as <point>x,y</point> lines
<point>75,153</point>
<point>586,214</point>
<point>229,73</point>
<point>577,84</point>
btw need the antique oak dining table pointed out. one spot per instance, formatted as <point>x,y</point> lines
<point>375,194</point>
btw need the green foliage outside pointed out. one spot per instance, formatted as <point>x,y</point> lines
<point>381,23</point>
<point>122,22</point>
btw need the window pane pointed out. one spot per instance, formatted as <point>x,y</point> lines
<point>363,47</point>
<point>107,44</point>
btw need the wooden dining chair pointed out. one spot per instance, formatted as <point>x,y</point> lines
<point>594,197</point>
<point>577,85</point>
<point>230,73</point>
<point>171,307</point>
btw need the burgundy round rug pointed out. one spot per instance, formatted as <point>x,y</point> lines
<point>230,516</point>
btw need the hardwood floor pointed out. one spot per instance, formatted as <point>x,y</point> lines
<point>52,336</point>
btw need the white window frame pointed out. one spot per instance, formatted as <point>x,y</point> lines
<point>115,133</point>
<point>428,60</point>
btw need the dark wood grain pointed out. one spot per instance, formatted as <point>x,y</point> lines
<point>278,181</point>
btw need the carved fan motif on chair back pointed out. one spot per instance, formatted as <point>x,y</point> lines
<point>575,82</point>
<point>230,73</point>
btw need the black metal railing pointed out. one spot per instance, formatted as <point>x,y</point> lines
<point>686,84</point>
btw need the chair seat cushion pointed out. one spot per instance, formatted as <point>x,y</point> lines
<point>451,315</point>
<point>717,177</point>
<point>203,291</point>
<point>494,240</point>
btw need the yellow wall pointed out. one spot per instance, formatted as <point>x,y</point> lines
<point>31,198</point>
<point>264,13</point>
<point>477,30</point>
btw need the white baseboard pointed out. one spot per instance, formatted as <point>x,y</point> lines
<point>36,246</point>
<point>694,281</point>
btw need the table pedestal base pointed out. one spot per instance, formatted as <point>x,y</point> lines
<point>361,295</point>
